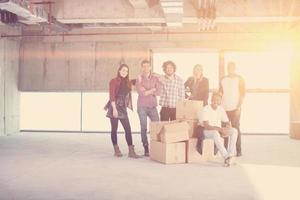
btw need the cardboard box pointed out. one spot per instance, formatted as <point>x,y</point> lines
<point>208,147</point>
<point>193,156</point>
<point>175,132</point>
<point>168,153</point>
<point>188,109</point>
<point>295,130</point>
<point>192,128</point>
<point>156,128</point>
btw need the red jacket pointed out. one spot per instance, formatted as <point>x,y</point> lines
<point>114,86</point>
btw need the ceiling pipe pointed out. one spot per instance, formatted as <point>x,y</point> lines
<point>118,33</point>
<point>206,13</point>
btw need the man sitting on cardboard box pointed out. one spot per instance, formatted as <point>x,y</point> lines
<point>212,117</point>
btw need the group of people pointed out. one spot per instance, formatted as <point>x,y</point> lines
<point>219,119</point>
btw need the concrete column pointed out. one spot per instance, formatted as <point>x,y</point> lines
<point>9,94</point>
<point>11,99</point>
<point>2,107</point>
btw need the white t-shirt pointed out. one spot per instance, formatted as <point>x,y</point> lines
<point>231,92</point>
<point>214,117</point>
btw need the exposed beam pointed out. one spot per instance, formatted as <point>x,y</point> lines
<point>30,13</point>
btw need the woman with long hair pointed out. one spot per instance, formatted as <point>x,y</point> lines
<point>197,85</point>
<point>119,100</point>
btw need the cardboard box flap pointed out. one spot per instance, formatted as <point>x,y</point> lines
<point>156,128</point>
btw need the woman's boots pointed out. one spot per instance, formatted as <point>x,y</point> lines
<point>117,151</point>
<point>131,152</point>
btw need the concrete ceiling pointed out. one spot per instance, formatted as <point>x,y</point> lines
<point>78,11</point>
<point>139,15</point>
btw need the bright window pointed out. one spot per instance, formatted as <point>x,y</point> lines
<point>94,116</point>
<point>264,70</point>
<point>50,111</point>
<point>266,112</point>
<point>62,112</point>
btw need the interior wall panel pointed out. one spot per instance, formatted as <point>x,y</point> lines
<point>77,66</point>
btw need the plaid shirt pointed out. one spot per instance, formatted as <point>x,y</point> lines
<point>172,90</point>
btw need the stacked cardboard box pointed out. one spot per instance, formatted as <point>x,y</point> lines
<point>167,143</point>
<point>295,130</point>
<point>176,141</point>
<point>168,153</point>
<point>193,124</point>
<point>193,156</point>
<point>188,111</point>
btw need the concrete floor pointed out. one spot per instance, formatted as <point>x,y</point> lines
<point>69,166</point>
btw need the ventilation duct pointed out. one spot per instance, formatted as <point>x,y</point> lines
<point>139,4</point>
<point>173,10</point>
<point>7,17</point>
<point>143,4</point>
<point>27,13</point>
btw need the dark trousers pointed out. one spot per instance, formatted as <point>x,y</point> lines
<point>114,127</point>
<point>167,114</point>
<point>234,118</point>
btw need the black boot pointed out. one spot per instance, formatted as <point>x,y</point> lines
<point>146,148</point>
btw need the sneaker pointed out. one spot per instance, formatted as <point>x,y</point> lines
<point>239,154</point>
<point>228,161</point>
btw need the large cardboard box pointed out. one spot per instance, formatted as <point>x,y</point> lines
<point>192,128</point>
<point>156,128</point>
<point>188,109</point>
<point>168,153</point>
<point>208,147</point>
<point>193,156</point>
<point>175,132</point>
<point>295,130</point>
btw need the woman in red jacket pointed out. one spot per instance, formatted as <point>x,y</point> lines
<point>119,100</point>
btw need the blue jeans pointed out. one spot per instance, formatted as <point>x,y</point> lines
<point>143,113</point>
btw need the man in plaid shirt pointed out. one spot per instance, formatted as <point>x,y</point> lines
<point>172,90</point>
